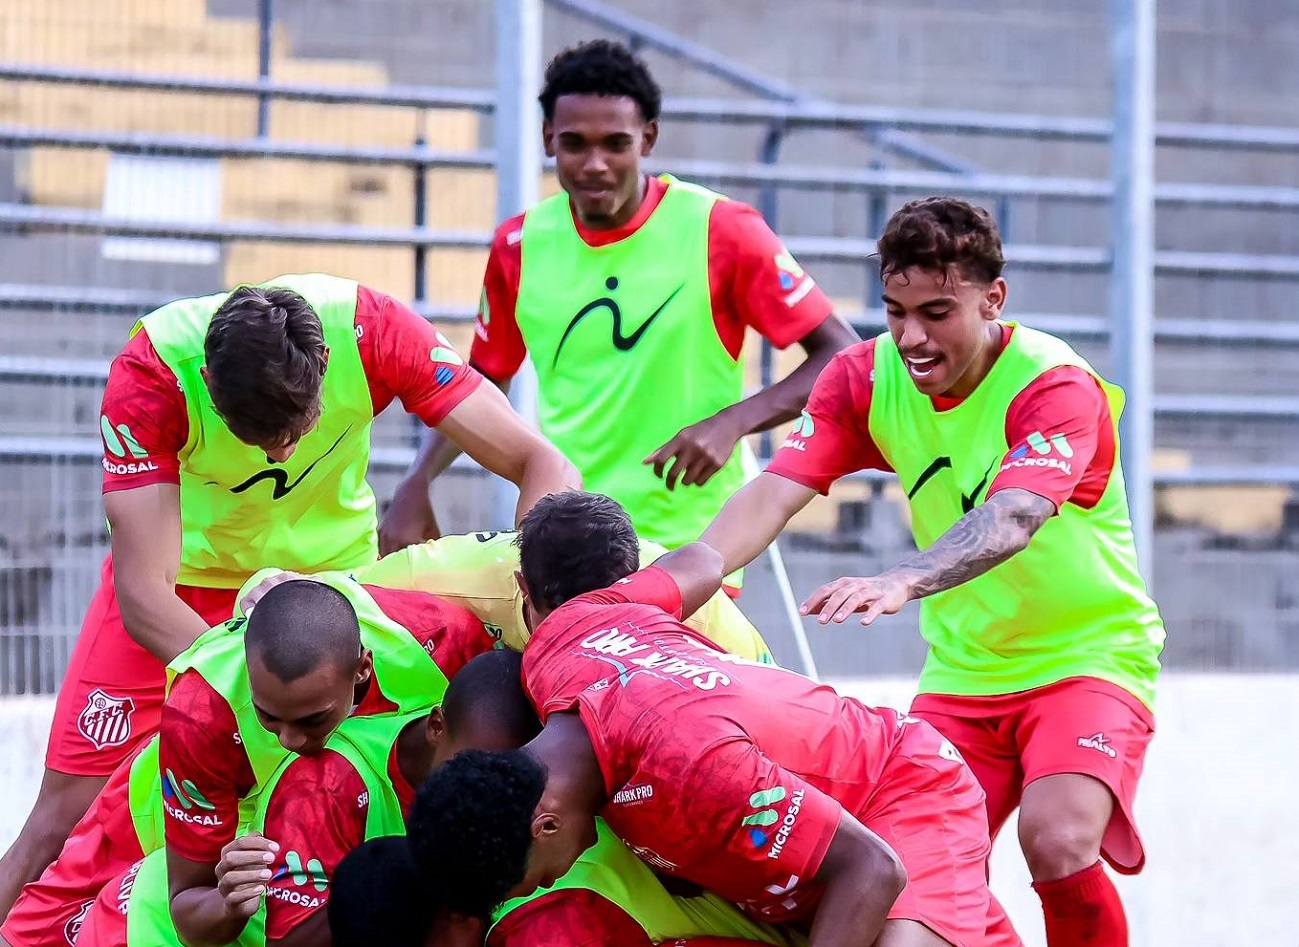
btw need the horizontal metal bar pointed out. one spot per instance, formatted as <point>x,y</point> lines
<point>979,184</point>
<point>396,459</point>
<point>1236,406</point>
<point>132,301</point>
<point>193,146</point>
<point>802,113</point>
<point>40,368</point>
<point>75,220</point>
<point>833,249</point>
<point>974,184</point>
<point>429,97</point>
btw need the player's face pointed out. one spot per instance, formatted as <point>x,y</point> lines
<point>302,714</point>
<point>597,143</point>
<point>945,327</point>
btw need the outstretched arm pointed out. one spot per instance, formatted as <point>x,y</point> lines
<point>985,537</point>
<point>753,517</point>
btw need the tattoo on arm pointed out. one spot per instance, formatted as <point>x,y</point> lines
<point>985,537</point>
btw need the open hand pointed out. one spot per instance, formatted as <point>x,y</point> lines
<point>875,595</point>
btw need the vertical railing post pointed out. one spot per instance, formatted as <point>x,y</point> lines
<point>265,28</point>
<point>1132,242</point>
<point>518,168</point>
<point>769,207</point>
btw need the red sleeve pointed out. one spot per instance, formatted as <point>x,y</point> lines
<point>771,839</point>
<point>404,357</point>
<point>754,281</point>
<point>498,348</point>
<point>649,586</point>
<point>205,771</point>
<point>448,632</point>
<point>832,438</point>
<point>143,420</point>
<point>317,815</point>
<point>572,917</point>
<point>1061,437</point>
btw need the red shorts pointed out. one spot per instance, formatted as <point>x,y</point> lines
<point>111,698</point>
<point>1078,725</point>
<point>101,847</point>
<point>930,809</point>
<point>103,924</point>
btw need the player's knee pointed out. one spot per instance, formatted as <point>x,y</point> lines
<point>1057,845</point>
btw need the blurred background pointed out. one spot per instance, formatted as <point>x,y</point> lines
<point>151,149</point>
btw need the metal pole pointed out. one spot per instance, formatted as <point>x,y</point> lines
<point>769,207</point>
<point>265,27</point>
<point>1132,171</point>
<point>518,169</point>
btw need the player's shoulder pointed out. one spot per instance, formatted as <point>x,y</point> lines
<point>508,233</point>
<point>141,361</point>
<point>328,772</point>
<point>855,364</point>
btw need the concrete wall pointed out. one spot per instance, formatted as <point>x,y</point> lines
<point>1216,809</point>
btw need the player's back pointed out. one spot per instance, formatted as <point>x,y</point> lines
<point>650,688</point>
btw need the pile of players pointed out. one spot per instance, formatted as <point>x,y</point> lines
<point>270,735</point>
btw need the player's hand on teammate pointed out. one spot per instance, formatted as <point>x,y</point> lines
<point>875,595</point>
<point>409,518</point>
<point>258,591</point>
<point>697,452</point>
<point>244,873</point>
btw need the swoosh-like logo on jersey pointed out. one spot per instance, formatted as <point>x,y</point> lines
<point>945,463</point>
<point>623,343</point>
<point>280,477</point>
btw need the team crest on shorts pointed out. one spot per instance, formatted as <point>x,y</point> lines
<point>106,721</point>
<point>73,927</point>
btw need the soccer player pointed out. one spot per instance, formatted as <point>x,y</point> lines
<point>276,880</point>
<point>236,435</point>
<point>608,899</point>
<point>344,650</point>
<point>748,780</point>
<point>633,295</point>
<point>1043,644</point>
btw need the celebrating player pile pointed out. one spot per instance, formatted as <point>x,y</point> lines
<point>347,760</point>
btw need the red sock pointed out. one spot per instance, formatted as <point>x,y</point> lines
<point>1083,910</point>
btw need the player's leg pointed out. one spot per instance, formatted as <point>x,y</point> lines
<point>101,847</point>
<point>901,933</point>
<point>930,809</point>
<point>1084,744</point>
<point>988,747</point>
<point>91,724</point>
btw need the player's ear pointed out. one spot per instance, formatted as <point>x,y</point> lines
<point>437,726</point>
<point>326,368</point>
<point>547,140</point>
<point>365,668</point>
<point>545,824</point>
<point>994,299</point>
<point>649,137</point>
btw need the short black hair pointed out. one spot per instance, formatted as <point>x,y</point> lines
<point>601,67</point>
<point>470,829</point>
<point>301,625</point>
<point>574,542</point>
<point>376,896</point>
<point>265,356</point>
<point>488,690</point>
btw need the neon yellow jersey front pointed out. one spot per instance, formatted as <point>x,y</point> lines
<point>477,571</point>
<point>311,513</point>
<point>1072,603</point>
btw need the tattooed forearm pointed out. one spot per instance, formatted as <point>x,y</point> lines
<point>986,536</point>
